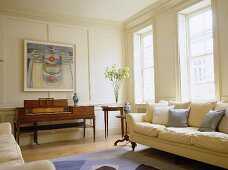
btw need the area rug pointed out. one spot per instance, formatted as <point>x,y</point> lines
<point>117,159</point>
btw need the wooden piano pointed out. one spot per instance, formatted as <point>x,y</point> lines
<point>27,118</point>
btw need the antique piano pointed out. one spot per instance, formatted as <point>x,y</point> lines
<point>29,117</point>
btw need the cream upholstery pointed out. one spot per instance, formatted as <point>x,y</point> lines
<point>198,111</point>
<point>178,135</point>
<point>215,141</point>
<point>223,125</point>
<point>10,153</point>
<point>37,165</point>
<point>150,110</point>
<point>180,105</point>
<point>148,129</point>
<point>208,147</point>
<point>5,128</point>
<point>221,106</point>
<point>161,115</point>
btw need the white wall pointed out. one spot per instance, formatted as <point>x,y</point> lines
<point>221,8</point>
<point>95,50</point>
<point>165,57</point>
<point>98,45</point>
<point>164,21</point>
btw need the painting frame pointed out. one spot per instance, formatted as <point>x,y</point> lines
<point>49,66</point>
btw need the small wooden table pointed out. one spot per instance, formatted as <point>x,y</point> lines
<point>106,109</point>
<point>126,136</point>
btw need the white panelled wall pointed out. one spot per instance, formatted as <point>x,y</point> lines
<point>98,45</point>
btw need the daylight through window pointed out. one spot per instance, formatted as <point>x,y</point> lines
<point>196,55</point>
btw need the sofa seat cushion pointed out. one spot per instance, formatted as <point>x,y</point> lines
<point>215,141</point>
<point>11,164</point>
<point>178,135</point>
<point>6,139</point>
<point>9,149</point>
<point>12,152</point>
<point>148,129</point>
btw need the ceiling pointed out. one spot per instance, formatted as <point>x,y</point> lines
<point>115,10</point>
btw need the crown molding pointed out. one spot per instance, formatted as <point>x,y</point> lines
<point>155,10</point>
<point>63,19</point>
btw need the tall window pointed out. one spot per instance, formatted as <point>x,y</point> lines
<point>196,55</point>
<point>144,65</point>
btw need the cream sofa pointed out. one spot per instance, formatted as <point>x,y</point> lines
<point>10,153</point>
<point>208,147</point>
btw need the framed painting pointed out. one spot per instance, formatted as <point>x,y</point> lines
<point>48,66</point>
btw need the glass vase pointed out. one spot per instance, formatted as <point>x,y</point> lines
<point>116,93</point>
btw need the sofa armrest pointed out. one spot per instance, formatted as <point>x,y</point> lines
<point>5,128</point>
<point>36,165</point>
<point>135,117</point>
<point>132,119</point>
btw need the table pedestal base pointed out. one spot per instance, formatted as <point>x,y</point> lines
<point>126,138</point>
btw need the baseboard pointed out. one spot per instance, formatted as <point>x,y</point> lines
<point>50,136</point>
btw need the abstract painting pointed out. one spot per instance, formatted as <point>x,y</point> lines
<point>48,66</point>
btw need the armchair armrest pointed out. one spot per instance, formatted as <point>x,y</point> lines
<point>132,119</point>
<point>5,128</point>
<point>36,165</point>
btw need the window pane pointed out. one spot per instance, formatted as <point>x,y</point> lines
<point>148,62</point>
<point>148,76</point>
<point>208,19</point>
<point>148,51</point>
<point>208,42</point>
<point>143,63</point>
<point>148,84</point>
<point>197,46</point>
<point>199,58</point>
<point>196,24</point>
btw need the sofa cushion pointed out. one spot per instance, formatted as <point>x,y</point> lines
<point>223,125</point>
<point>198,111</point>
<point>9,149</point>
<point>211,121</point>
<point>10,152</point>
<point>178,118</point>
<point>178,135</point>
<point>161,115</point>
<point>148,129</point>
<point>215,141</point>
<point>221,106</point>
<point>10,164</point>
<point>150,109</point>
<point>7,139</point>
<point>180,105</point>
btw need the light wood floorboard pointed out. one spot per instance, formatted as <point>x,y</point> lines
<point>66,148</point>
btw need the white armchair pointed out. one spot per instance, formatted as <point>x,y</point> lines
<point>11,157</point>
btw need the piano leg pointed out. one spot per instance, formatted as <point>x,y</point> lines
<point>35,130</point>
<point>94,132</point>
<point>84,127</point>
<point>17,133</point>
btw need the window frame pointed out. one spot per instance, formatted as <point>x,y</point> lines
<point>138,64</point>
<point>188,51</point>
<point>142,62</point>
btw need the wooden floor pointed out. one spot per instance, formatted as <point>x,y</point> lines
<point>67,148</point>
